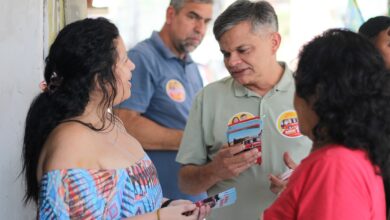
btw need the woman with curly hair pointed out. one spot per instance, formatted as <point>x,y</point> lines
<point>79,161</point>
<point>342,100</point>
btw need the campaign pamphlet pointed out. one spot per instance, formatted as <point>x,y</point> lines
<point>286,175</point>
<point>222,199</point>
<point>247,132</point>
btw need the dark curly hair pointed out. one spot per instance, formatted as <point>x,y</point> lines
<point>83,53</point>
<point>343,77</point>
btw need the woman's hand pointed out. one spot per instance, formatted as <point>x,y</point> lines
<point>279,183</point>
<point>197,213</point>
<point>180,202</point>
<point>178,212</point>
<point>204,211</point>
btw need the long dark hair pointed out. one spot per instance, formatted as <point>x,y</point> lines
<point>345,77</point>
<point>83,53</point>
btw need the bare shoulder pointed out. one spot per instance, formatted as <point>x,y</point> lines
<point>68,146</point>
<point>126,114</point>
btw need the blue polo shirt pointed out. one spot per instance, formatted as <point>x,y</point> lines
<point>163,88</point>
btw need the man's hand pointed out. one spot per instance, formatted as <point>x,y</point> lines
<point>231,161</point>
<point>279,182</point>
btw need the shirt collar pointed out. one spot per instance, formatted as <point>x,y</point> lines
<point>165,51</point>
<point>281,86</point>
<point>287,78</point>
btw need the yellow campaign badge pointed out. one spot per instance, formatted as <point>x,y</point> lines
<point>287,124</point>
<point>241,116</point>
<point>175,90</point>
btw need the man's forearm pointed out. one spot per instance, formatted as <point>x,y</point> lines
<point>151,135</point>
<point>194,179</point>
<point>154,136</point>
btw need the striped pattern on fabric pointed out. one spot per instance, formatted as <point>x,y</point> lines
<point>100,194</point>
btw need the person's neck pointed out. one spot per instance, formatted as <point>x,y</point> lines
<point>267,80</point>
<point>320,144</point>
<point>167,40</point>
<point>94,115</point>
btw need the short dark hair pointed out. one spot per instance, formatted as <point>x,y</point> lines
<point>344,78</point>
<point>373,26</point>
<point>178,4</point>
<point>258,13</point>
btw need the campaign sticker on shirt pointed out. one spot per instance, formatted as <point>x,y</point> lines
<point>241,116</point>
<point>287,124</point>
<point>175,91</point>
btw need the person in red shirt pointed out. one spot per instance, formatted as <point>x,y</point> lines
<point>342,96</point>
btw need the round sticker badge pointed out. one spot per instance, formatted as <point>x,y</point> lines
<point>175,90</point>
<point>242,116</point>
<point>287,124</point>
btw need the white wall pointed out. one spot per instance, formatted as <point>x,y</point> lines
<point>21,67</point>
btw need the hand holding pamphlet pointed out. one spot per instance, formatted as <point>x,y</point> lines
<point>222,199</point>
<point>247,132</point>
<point>286,175</point>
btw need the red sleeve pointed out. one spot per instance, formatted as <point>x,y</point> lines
<point>329,188</point>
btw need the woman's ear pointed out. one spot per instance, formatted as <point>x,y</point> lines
<point>97,87</point>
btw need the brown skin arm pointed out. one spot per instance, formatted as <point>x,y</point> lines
<point>151,135</point>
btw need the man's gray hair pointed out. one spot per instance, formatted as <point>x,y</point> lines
<point>258,13</point>
<point>178,4</point>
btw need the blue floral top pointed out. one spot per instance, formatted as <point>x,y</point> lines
<point>100,194</point>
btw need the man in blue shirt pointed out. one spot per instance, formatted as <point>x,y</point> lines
<point>164,84</point>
